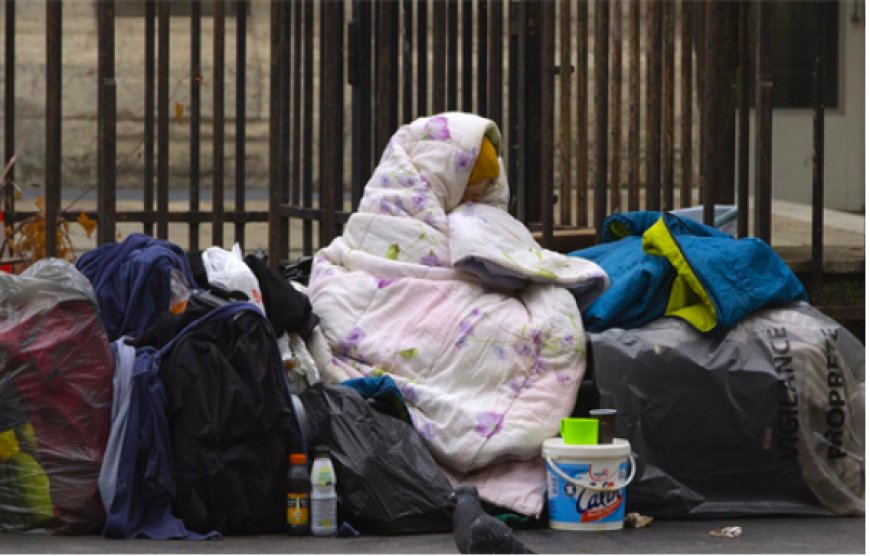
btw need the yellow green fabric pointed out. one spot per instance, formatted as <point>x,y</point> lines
<point>688,298</point>
<point>618,230</point>
<point>486,167</point>
<point>34,487</point>
<point>8,444</point>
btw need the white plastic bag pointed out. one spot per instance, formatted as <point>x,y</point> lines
<point>227,269</point>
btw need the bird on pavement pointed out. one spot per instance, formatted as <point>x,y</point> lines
<point>477,532</point>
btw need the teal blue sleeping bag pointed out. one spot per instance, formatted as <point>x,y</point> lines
<point>663,265</point>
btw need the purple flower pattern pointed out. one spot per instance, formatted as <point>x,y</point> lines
<point>389,206</point>
<point>524,348</point>
<point>411,394</point>
<point>436,128</point>
<point>351,341</point>
<point>466,327</point>
<point>408,181</point>
<point>489,423</point>
<point>430,260</point>
<point>384,282</point>
<point>464,160</point>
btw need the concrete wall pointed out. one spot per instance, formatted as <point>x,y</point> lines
<point>844,134</point>
<point>79,104</point>
<point>792,163</point>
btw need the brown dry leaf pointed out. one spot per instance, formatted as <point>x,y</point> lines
<point>86,222</point>
<point>179,112</point>
<point>40,203</point>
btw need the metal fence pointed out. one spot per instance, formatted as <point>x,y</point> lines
<point>604,105</point>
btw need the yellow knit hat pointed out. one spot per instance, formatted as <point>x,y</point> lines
<point>486,166</point>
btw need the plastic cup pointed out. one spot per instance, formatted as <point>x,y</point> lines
<point>606,424</point>
<point>579,430</point>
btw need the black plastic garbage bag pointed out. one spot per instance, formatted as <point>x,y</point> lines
<point>768,419</point>
<point>387,481</point>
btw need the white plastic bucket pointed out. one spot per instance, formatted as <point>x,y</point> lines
<point>586,484</point>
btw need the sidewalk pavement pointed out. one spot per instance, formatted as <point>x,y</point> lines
<point>761,535</point>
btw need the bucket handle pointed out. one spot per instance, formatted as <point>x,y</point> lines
<point>555,469</point>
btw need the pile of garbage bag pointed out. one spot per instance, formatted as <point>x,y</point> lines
<point>768,419</point>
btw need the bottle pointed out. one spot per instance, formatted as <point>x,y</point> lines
<point>298,495</point>
<point>324,501</point>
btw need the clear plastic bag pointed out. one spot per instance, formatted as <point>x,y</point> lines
<point>56,374</point>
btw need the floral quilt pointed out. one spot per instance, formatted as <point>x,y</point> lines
<point>474,321</point>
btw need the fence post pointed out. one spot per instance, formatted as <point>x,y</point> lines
<point>148,145</point>
<point>565,112</point>
<point>582,82</point>
<point>9,119</point>
<point>615,135</point>
<point>53,113</point>
<point>515,92</point>
<point>495,73</point>
<point>654,107</point>
<point>359,65</point>
<point>602,27</point>
<point>332,108</point>
<point>240,115</point>
<point>546,90</point>
<point>217,191</point>
<point>667,144</point>
<point>277,114</point>
<point>163,119</point>
<point>744,82</point>
<point>763,122</point>
<point>686,146</point>
<point>387,95</point>
<point>818,254</point>
<point>195,117</point>
<point>719,106</point>
<point>106,117</point>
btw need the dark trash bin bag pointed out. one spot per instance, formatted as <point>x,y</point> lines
<point>768,419</point>
<point>387,481</point>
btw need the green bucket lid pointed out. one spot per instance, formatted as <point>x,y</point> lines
<point>579,430</point>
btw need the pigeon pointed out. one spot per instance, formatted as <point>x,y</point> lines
<point>477,532</point>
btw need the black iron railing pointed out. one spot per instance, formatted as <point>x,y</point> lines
<point>628,145</point>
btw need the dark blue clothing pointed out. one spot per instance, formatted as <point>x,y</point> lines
<point>132,281</point>
<point>142,505</point>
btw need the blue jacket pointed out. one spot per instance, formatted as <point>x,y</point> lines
<point>132,281</point>
<point>142,480</point>
<point>663,265</point>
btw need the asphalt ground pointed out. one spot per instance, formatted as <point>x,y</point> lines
<point>761,535</point>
